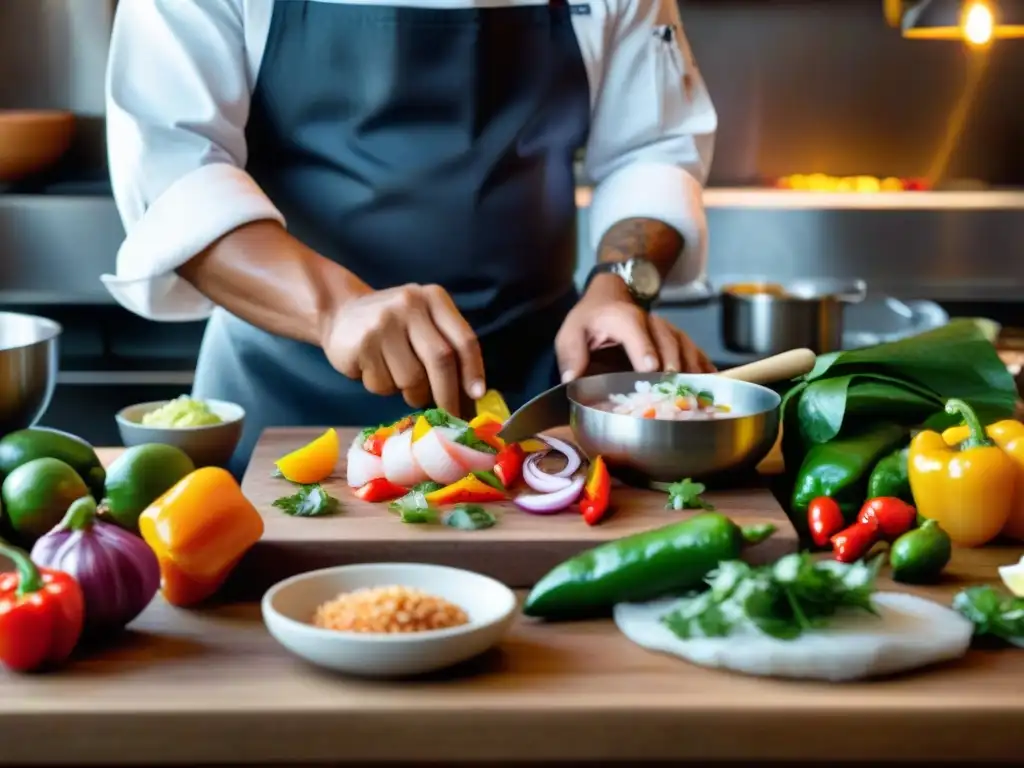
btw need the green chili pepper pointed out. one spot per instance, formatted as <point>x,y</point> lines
<point>918,556</point>
<point>839,469</point>
<point>889,478</point>
<point>668,560</point>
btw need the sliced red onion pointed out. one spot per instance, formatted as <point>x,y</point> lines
<point>550,503</point>
<point>572,456</point>
<point>538,479</point>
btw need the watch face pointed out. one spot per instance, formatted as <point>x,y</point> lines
<point>644,278</point>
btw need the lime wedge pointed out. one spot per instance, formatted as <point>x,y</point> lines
<point>1013,577</point>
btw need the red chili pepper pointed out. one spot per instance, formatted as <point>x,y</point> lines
<point>41,614</point>
<point>825,520</point>
<point>596,493</point>
<point>508,465</point>
<point>851,544</point>
<point>893,516</point>
<point>380,489</point>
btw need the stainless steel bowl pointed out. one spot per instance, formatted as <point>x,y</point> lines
<point>28,368</point>
<point>659,451</point>
<point>764,318</point>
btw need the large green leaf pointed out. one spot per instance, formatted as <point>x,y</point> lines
<point>956,360</point>
<point>826,405</point>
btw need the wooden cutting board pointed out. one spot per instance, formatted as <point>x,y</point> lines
<point>518,550</point>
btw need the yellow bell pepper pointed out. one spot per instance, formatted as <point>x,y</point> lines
<point>199,530</point>
<point>969,488</point>
<point>468,490</point>
<point>1009,436</point>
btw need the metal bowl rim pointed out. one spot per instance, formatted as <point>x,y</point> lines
<point>54,328</point>
<point>645,377</point>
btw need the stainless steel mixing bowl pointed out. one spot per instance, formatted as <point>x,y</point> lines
<point>28,368</point>
<point>659,451</point>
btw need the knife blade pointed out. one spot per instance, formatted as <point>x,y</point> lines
<point>546,411</point>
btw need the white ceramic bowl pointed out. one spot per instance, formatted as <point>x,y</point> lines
<point>289,606</point>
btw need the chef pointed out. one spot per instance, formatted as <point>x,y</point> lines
<point>373,202</point>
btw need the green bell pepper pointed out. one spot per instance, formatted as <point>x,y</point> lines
<point>840,468</point>
<point>668,560</point>
<point>889,478</point>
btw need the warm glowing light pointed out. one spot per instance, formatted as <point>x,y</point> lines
<point>978,23</point>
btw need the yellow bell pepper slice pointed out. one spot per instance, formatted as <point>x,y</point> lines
<point>420,428</point>
<point>313,462</point>
<point>493,403</point>
<point>968,488</point>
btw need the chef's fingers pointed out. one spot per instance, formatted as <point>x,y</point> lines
<point>571,348</point>
<point>438,358</point>
<point>460,337</point>
<point>706,366</point>
<point>666,340</point>
<point>376,376</point>
<point>406,369</point>
<point>628,324</point>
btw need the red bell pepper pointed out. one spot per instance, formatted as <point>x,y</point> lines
<point>380,489</point>
<point>596,493</point>
<point>508,465</point>
<point>824,519</point>
<point>894,516</point>
<point>851,544</point>
<point>42,612</point>
<point>468,490</point>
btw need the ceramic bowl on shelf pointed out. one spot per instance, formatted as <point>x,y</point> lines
<point>289,606</point>
<point>208,446</point>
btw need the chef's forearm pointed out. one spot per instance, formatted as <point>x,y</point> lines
<point>650,239</point>
<point>265,276</point>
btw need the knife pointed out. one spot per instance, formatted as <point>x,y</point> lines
<point>546,411</point>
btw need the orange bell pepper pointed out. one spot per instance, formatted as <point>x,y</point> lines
<point>314,462</point>
<point>468,490</point>
<point>199,530</point>
<point>486,427</point>
<point>596,493</point>
<point>1008,435</point>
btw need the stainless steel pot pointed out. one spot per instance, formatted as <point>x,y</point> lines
<point>767,318</point>
<point>28,369</point>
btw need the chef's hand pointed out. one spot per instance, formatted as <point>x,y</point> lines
<point>411,339</point>
<point>607,316</point>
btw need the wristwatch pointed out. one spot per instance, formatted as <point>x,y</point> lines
<point>640,276</point>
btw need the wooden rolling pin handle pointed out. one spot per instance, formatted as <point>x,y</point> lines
<point>787,365</point>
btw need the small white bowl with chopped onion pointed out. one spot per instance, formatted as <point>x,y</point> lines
<point>388,619</point>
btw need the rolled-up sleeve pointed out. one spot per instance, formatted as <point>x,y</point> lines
<point>178,92</point>
<point>653,130</point>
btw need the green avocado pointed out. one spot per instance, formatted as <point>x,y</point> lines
<point>36,496</point>
<point>140,476</point>
<point>23,446</point>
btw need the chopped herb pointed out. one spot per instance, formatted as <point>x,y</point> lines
<point>414,508</point>
<point>672,385</point>
<point>308,501</point>
<point>706,397</point>
<point>992,613</point>
<point>369,432</point>
<point>686,494</point>
<point>486,476</point>
<point>469,517</point>
<point>469,439</point>
<point>427,486</point>
<point>783,600</point>
<point>437,417</point>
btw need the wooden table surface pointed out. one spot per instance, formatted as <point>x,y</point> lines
<point>211,686</point>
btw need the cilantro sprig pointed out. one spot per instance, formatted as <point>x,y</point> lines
<point>686,494</point>
<point>782,600</point>
<point>308,501</point>
<point>993,614</point>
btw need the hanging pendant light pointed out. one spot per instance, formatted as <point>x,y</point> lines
<point>977,22</point>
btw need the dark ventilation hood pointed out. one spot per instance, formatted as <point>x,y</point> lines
<point>977,22</point>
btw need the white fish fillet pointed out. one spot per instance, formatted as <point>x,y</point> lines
<point>400,466</point>
<point>910,632</point>
<point>438,462</point>
<point>362,466</point>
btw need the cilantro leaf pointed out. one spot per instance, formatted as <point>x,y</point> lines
<point>308,501</point>
<point>782,600</point>
<point>686,494</point>
<point>469,517</point>
<point>414,508</point>
<point>992,614</point>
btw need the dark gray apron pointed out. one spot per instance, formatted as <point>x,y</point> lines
<point>413,145</point>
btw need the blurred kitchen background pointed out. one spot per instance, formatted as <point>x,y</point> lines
<point>845,151</point>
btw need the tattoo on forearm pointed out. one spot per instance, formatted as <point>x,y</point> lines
<point>653,240</point>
